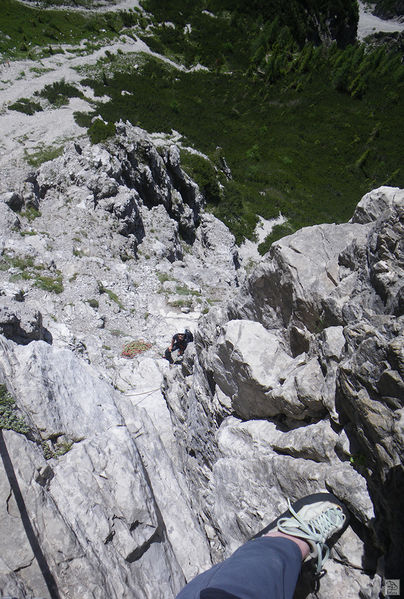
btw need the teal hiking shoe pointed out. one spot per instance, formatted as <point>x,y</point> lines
<point>317,519</point>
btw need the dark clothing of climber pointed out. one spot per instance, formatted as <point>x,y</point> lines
<point>179,342</point>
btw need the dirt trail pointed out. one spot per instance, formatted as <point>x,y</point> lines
<point>103,5</point>
<point>369,23</point>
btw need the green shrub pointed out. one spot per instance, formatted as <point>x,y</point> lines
<point>60,92</point>
<point>278,232</point>
<point>26,106</point>
<point>9,419</point>
<point>100,131</point>
<point>204,174</point>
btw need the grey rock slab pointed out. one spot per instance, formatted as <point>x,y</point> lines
<point>251,366</point>
<point>9,221</point>
<point>315,442</point>
<point>295,280</point>
<point>351,488</point>
<point>377,202</point>
<point>59,393</point>
<point>43,524</point>
<point>165,474</point>
<point>333,343</point>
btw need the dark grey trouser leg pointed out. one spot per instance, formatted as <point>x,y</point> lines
<point>264,568</point>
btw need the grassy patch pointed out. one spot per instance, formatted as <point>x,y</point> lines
<point>163,277</point>
<point>180,303</point>
<point>25,268</point>
<point>43,154</point>
<point>184,290</point>
<point>51,450</point>
<point>26,106</point>
<point>9,418</point>
<point>30,213</point>
<point>52,283</point>
<point>112,296</point>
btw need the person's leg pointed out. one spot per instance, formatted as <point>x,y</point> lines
<point>268,565</point>
<point>167,355</point>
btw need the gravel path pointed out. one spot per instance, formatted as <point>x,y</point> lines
<point>369,23</point>
<point>102,5</point>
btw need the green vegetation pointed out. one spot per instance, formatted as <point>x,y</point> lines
<point>93,303</point>
<point>52,283</point>
<point>305,128</point>
<point>43,154</point>
<point>25,268</point>
<point>134,348</point>
<point>388,9</point>
<point>205,174</point>
<point>163,277</point>
<point>112,296</point>
<point>26,106</point>
<point>25,31</point>
<point>30,213</point>
<point>278,232</point>
<point>184,290</point>
<point>55,451</point>
<point>59,93</point>
<point>291,148</point>
<point>215,40</point>
<point>9,419</point>
<point>99,131</point>
<point>181,303</point>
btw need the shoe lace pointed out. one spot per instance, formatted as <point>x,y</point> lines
<point>317,530</point>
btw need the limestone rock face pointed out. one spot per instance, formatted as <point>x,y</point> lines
<point>126,477</point>
<point>93,499</point>
<point>313,344</point>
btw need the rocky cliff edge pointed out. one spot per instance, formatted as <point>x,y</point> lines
<point>294,382</point>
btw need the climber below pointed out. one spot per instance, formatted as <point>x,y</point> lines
<point>178,342</point>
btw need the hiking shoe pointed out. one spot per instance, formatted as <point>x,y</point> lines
<point>316,519</point>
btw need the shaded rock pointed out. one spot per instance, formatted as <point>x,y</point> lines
<point>13,200</point>
<point>21,325</point>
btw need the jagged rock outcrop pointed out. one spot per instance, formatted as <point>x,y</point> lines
<point>294,382</point>
<point>92,255</point>
<point>297,385</point>
<point>106,240</point>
